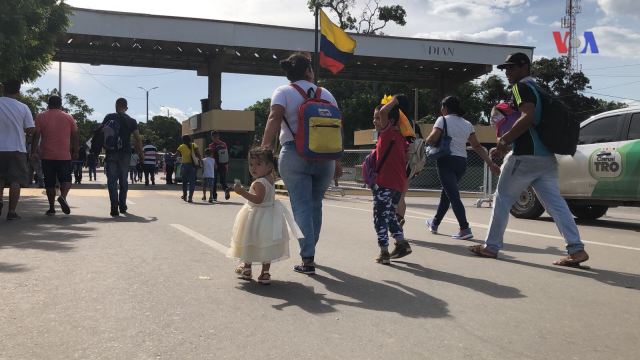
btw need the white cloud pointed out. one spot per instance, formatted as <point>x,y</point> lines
<point>533,19</point>
<point>496,35</point>
<point>617,42</point>
<point>620,7</point>
<point>175,112</point>
<point>555,24</point>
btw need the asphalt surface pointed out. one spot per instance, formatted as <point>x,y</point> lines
<point>155,284</point>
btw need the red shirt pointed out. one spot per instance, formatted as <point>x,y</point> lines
<point>393,172</point>
<point>213,147</point>
<point>55,127</point>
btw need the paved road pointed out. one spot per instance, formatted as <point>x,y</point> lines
<point>155,285</point>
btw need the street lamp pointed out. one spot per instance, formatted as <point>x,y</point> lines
<point>147,91</point>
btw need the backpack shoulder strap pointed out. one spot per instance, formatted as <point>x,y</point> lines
<point>300,91</point>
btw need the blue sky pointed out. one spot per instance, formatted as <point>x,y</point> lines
<point>614,72</point>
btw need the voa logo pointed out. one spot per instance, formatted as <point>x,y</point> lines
<point>589,42</point>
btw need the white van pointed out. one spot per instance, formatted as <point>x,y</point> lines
<point>605,171</point>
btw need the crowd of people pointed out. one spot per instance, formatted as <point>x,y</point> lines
<point>263,226</point>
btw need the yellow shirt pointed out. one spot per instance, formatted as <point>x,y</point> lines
<point>185,153</point>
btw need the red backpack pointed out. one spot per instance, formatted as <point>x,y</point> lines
<point>319,135</point>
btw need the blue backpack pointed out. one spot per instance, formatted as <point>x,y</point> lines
<point>319,135</point>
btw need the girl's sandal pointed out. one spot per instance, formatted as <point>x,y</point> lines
<point>243,271</point>
<point>264,278</point>
<point>238,270</point>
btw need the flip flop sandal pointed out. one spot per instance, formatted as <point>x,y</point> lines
<point>479,250</point>
<point>264,278</point>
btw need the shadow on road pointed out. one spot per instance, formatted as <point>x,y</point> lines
<point>461,249</point>
<point>11,268</point>
<point>35,231</point>
<point>292,294</point>
<point>387,296</point>
<point>480,285</point>
<point>628,224</point>
<point>614,278</point>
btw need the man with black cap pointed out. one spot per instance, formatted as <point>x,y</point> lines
<point>529,163</point>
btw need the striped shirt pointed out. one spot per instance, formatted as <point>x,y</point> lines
<point>150,152</point>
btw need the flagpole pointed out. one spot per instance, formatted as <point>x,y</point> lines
<point>316,55</point>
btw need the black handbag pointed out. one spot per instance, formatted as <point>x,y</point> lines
<point>443,147</point>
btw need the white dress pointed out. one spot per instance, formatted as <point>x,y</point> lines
<point>261,231</point>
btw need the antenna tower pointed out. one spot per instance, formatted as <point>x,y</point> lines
<point>569,22</point>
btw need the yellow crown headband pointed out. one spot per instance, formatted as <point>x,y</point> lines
<point>387,99</point>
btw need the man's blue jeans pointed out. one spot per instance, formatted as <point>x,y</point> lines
<point>306,182</point>
<point>541,172</point>
<point>450,171</point>
<point>117,168</point>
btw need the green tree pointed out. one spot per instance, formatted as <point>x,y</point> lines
<point>373,18</point>
<point>554,75</point>
<point>493,89</point>
<point>78,108</point>
<point>162,131</point>
<point>28,35</point>
<point>261,109</point>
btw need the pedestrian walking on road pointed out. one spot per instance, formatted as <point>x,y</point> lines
<point>57,133</point>
<point>190,160</point>
<point>220,153</point>
<point>16,123</point>
<point>208,175</point>
<point>529,163</point>
<point>119,155</point>
<point>133,166</point>
<point>391,164</point>
<point>92,164</point>
<point>78,163</point>
<point>306,180</point>
<point>169,166</point>
<point>260,232</point>
<point>452,167</point>
<point>149,166</point>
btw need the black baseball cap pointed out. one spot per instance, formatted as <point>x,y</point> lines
<point>518,59</point>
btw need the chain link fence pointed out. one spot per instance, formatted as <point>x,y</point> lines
<point>477,179</point>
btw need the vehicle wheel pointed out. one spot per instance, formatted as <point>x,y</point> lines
<point>588,212</point>
<point>527,206</point>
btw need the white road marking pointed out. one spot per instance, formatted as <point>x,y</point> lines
<point>130,202</point>
<point>203,239</point>
<point>424,216</point>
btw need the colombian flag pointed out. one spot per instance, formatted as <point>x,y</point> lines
<point>336,47</point>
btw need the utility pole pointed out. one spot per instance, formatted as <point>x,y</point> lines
<point>147,91</point>
<point>569,22</point>
<point>60,78</point>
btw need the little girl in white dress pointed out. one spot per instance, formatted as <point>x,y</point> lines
<point>261,229</point>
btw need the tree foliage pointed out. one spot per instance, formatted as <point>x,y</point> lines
<point>555,76</point>
<point>162,131</point>
<point>374,17</point>
<point>261,109</point>
<point>27,36</point>
<point>78,108</point>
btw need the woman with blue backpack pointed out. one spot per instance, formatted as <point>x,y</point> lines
<point>306,174</point>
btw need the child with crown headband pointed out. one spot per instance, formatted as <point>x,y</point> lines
<point>391,180</point>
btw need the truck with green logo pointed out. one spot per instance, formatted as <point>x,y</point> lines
<point>604,172</point>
